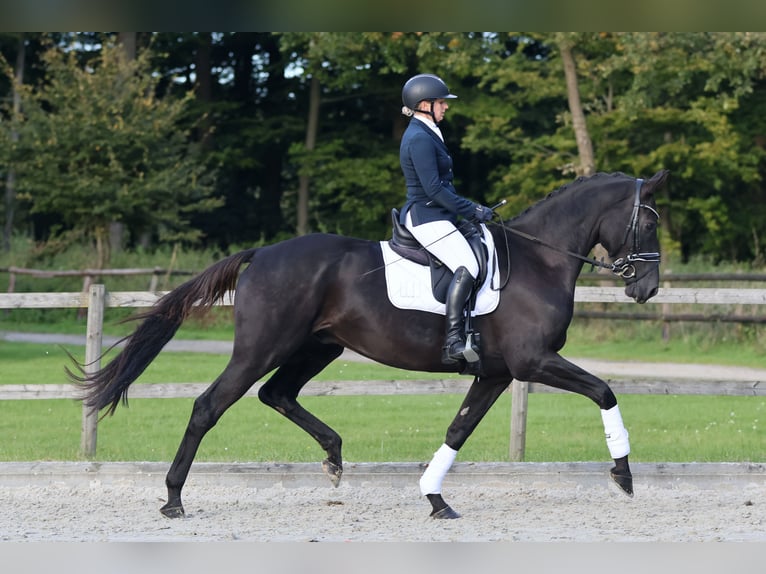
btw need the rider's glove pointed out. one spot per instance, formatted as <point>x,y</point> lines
<point>482,213</point>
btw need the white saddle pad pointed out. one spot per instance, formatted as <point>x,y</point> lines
<point>409,284</point>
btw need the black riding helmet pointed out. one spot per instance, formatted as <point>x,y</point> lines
<point>424,87</point>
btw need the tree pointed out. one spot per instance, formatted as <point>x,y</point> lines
<point>352,165</point>
<point>518,118</point>
<point>689,102</point>
<point>254,110</point>
<point>13,135</point>
<point>98,145</point>
<point>333,190</point>
<point>692,102</point>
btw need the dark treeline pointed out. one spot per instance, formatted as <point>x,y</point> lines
<point>231,139</point>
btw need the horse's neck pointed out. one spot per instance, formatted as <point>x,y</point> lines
<point>565,223</point>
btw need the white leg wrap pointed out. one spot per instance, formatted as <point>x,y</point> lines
<point>616,434</point>
<point>431,481</point>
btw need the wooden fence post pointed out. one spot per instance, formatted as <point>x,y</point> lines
<point>519,401</point>
<point>665,313</point>
<point>93,343</point>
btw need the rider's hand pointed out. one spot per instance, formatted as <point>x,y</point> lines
<point>482,213</point>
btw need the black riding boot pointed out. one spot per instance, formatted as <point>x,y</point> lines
<point>457,295</point>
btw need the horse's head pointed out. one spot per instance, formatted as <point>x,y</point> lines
<point>631,239</point>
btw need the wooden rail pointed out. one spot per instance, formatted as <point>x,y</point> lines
<point>89,275</point>
<point>632,386</point>
<point>669,276</point>
<point>689,295</point>
<point>98,299</point>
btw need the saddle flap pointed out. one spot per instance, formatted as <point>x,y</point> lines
<point>410,285</point>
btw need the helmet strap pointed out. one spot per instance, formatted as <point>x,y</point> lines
<point>429,112</point>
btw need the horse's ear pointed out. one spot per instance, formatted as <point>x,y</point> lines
<point>653,184</point>
<point>658,179</point>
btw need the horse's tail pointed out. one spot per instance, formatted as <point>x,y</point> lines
<point>109,385</point>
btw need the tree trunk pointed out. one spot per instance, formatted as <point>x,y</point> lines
<point>128,42</point>
<point>584,146</point>
<point>103,247</point>
<point>10,179</point>
<point>204,84</point>
<point>115,239</point>
<point>587,164</point>
<point>311,138</point>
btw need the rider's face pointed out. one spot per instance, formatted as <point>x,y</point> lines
<point>440,106</point>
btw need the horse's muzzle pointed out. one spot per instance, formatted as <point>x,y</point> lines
<point>644,298</point>
<point>645,286</point>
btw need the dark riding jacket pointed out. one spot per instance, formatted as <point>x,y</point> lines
<point>427,167</point>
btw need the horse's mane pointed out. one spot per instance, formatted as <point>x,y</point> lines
<point>564,189</point>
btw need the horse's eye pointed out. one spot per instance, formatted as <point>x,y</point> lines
<point>650,226</point>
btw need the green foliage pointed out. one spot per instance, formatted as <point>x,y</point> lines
<point>351,195</point>
<point>652,100</point>
<point>680,107</point>
<point>118,149</point>
<point>98,146</point>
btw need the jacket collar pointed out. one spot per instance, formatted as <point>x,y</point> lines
<point>431,128</point>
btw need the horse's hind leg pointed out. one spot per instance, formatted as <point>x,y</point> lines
<point>280,392</point>
<point>238,376</point>
<point>480,397</point>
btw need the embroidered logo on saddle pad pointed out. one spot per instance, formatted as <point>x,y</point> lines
<point>409,284</point>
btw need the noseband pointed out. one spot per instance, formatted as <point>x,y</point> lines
<point>624,266</point>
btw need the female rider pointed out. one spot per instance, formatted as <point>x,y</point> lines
<point>433,207</point>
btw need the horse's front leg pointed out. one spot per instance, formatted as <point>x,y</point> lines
<point>480,397</point>
<point>556,371</point>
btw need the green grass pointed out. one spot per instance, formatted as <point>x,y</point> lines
<point>401,428</point>
<point>398,428</point>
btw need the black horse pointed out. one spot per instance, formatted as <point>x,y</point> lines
<point>300,302</point>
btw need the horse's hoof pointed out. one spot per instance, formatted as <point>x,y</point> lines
<point>624,481</point>
<point>445,513</point>
<point>333,471</point>
<point>173,511</point>
<point>441,509</point>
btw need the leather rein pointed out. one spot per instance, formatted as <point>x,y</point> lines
<point>624,266</point>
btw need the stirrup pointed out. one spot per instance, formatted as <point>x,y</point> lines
<point>471,350</point>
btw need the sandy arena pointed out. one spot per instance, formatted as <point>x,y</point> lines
<point>522,502</point>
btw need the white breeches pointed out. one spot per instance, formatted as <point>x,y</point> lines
<point>447,243</point>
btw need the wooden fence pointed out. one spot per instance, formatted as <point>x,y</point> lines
<point>98,299</point>
<point>668,278</point>
<point>664,314</point>
<point>91,275</point>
